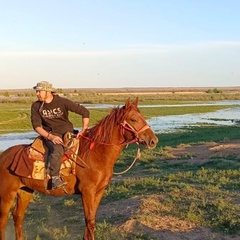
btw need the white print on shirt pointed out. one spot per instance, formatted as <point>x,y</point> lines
<point>53,113</point>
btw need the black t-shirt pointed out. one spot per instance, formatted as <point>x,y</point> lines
<point>53,116</point>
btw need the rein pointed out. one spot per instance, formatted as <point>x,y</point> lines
<point>68,148</point>
<point>135,159</point>
<point>125,126</point>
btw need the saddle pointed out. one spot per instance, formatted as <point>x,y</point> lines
<point>37,153</point>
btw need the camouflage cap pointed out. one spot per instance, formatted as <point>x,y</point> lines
<point>44,86</point>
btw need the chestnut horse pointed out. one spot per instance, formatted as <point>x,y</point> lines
<point>99,149</point>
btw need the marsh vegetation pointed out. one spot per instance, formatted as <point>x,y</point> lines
<point>186,188</point>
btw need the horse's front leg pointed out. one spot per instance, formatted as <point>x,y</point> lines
<point>91,200</point>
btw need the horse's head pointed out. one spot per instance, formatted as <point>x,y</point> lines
<point>132,124</point>
<point>135,127</point>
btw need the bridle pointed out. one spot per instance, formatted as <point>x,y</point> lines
<point>126,126</point>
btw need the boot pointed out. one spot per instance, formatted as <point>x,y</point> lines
<point>57,182</point>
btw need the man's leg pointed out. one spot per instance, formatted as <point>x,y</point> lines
<point>55,154</point>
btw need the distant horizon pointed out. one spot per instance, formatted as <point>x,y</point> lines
<point>132,88</point>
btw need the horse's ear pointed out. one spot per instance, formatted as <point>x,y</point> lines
<point>135,102</point>
<point>127,103</point>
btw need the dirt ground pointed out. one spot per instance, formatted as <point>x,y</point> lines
<point>206,151</point>
<point>170,228</point>
<point>124,211</point>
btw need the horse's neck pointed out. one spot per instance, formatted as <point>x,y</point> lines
<point>110,151</point>
<point>111,154</point>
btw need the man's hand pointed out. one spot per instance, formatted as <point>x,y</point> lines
<point>81,133</point>
<point>55,139</point>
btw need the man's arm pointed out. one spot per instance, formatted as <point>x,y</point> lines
<point>85,122</point>
<point>41,131</point>
<point>54,138</point>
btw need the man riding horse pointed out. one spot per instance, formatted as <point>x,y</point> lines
<point>49,117</point>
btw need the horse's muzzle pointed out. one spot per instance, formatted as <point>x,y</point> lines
<point>149,142</point>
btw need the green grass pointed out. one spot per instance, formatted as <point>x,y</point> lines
<point>202,196</point>
<point>205,194</point>
<point>200,134</point>
<point>166,111</point>
<point>15,117</point>
<point>191,135</point>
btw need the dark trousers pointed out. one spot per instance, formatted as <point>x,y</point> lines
<point>55,153</point>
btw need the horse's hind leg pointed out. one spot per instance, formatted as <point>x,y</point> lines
<point>23,198</point>
<point>6,201</point>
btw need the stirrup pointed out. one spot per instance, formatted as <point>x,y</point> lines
<point>57,182</point>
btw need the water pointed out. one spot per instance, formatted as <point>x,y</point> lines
<point>226,102</point>
<point>11,139</point>
<point>158,124</point>
<point>225,117</point>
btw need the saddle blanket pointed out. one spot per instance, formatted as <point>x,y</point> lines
<point>30,161</point>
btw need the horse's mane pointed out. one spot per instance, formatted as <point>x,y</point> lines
<point>102,131</point>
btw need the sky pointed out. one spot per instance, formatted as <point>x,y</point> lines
<point>119,43</point>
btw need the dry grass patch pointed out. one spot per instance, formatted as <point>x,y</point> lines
<point>152,213</point>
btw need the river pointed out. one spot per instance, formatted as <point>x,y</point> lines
<point>161,124</point>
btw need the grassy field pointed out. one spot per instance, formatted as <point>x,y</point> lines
<point>161,197</point>
<point>15,116</point>
<point>158,190</point>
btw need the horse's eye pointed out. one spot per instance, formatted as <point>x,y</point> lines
<point>133,120</point>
